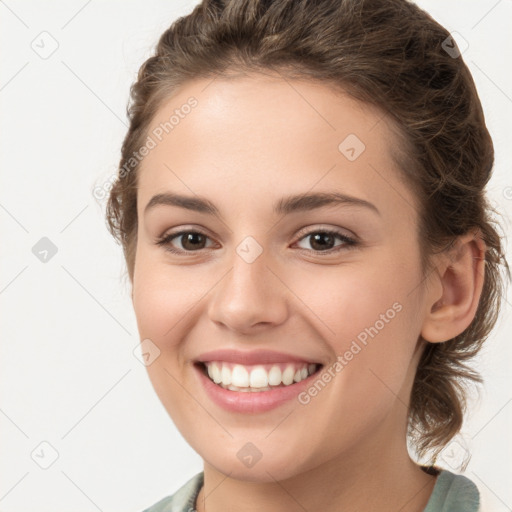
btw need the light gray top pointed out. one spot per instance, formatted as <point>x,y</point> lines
<point>451,493</point>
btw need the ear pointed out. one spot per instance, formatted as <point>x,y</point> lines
<point>460,275</point>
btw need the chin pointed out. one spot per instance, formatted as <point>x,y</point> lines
<point>265,469</point>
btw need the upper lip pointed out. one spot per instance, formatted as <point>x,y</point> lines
<point>251,357</point>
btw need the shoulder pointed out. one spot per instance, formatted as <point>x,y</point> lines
<point>454,493</point>
<point>183,500</point>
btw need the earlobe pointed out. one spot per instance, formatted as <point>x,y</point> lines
<point>461,275</point>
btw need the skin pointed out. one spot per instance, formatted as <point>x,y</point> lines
<point>250,141</point>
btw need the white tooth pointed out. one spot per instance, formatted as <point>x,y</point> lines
<point>259,377</point>
<point>288,375</point>
<point>240,376</point>
<point>226,375</point>
<point>216,373</point>
<point>274,376</point>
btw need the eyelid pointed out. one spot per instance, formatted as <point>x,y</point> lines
<point>319,228</point>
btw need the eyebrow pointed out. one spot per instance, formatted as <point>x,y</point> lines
<point>285,205</point>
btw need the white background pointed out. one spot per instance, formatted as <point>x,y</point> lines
<point>68,373</point>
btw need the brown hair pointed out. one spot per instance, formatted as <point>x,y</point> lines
<point>388,53</point>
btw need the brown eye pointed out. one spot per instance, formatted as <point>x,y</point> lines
<point>324,240</point>
<point>321,241</point>
<point>190,241</point>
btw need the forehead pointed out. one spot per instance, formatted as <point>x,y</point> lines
<point>263,135</point>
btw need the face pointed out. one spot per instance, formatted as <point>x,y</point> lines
<point>335,284</point>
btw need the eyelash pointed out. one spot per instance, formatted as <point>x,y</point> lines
<point>349,242</point>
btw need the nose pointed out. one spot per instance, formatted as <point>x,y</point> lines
<point>251,296</point>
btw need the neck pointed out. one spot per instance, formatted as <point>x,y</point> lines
<point>375,475</point>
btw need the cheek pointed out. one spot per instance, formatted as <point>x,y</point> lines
<point>348,299</point>
<point>367,316</point>
<point>164,297</point>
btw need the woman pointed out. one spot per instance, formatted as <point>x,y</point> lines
<point>301,205</point>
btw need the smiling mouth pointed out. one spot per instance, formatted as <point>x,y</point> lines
<point>256,378</point>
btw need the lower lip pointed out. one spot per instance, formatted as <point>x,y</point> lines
<point>251,401</point>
